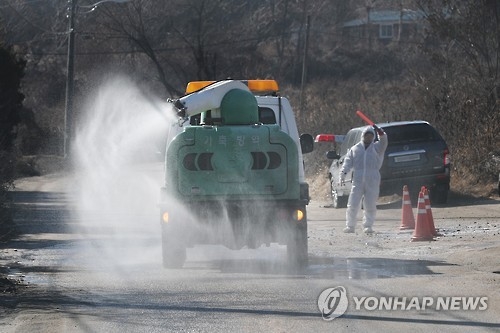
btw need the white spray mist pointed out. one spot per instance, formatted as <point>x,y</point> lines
<point>118,157</point>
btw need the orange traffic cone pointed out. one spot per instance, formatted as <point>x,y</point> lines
<point>422,230</point>
<point>407,218</point>
<point>430,218</point>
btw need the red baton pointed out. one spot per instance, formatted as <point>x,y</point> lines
<point>365,118</point>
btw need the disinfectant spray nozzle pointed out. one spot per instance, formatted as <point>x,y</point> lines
<point>179,106</point>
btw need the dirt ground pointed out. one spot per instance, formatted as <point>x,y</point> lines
<point>468,234</point>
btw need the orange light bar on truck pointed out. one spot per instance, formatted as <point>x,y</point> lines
<point>197,85</point>
<point>262,85</point>
<point>255,86</point>
<point>325,138</point>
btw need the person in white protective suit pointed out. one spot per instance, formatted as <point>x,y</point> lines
<point>365,159</point>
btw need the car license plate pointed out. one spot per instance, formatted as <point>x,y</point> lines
<point>407,158</point>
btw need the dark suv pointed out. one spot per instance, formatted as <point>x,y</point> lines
<point>416,156</point>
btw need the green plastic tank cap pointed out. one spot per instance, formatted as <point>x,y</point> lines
<point>239,107</point>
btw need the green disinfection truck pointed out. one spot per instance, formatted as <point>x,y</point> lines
<point>234,172</point>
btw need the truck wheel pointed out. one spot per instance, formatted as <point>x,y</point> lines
<point>338,201</point>
<point>439,194</point>
<point>296,249</point>
<point>173,251</point>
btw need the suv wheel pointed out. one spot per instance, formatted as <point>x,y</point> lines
<point>439,194</point>
<point>338,201</point>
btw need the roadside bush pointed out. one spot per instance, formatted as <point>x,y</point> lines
<point>7,172</point>
<point>30,137</point>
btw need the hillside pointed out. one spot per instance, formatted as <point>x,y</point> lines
<point>433,60</point>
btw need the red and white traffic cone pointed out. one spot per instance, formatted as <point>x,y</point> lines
<point>430,218</point>
<point>407,218</point>
<point>422,230</point>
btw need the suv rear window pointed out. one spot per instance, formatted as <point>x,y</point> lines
<point>411,133</point>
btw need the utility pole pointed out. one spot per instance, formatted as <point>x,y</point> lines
<point>70,84</point>
<point>68,114</point>
<point>304,64</point>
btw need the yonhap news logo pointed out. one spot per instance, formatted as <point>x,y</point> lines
<point>333,303</point>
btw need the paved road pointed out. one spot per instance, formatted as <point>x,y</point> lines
<point>100,271</point>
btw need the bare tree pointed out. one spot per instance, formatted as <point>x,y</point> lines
<point>461,85</point>
<point>186,40</point>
